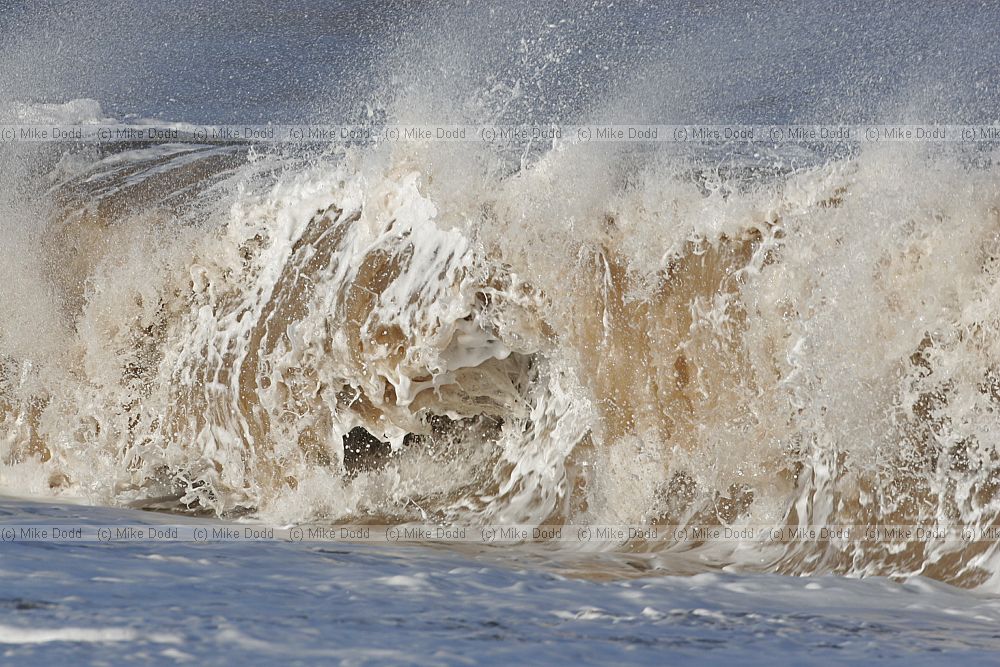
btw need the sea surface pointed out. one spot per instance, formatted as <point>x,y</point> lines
<point>260,603</point>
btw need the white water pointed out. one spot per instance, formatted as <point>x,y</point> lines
<point>203,329</point>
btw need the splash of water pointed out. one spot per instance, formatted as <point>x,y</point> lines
<point>373,334</point>
<point>559,333</point>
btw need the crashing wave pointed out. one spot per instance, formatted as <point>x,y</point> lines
<point>375,334</point>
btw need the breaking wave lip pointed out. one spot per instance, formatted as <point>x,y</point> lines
<point>381,333</point>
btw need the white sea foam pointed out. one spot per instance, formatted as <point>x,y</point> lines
<point>17,635</point>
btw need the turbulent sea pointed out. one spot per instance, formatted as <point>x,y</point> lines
<point>533,332</point>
